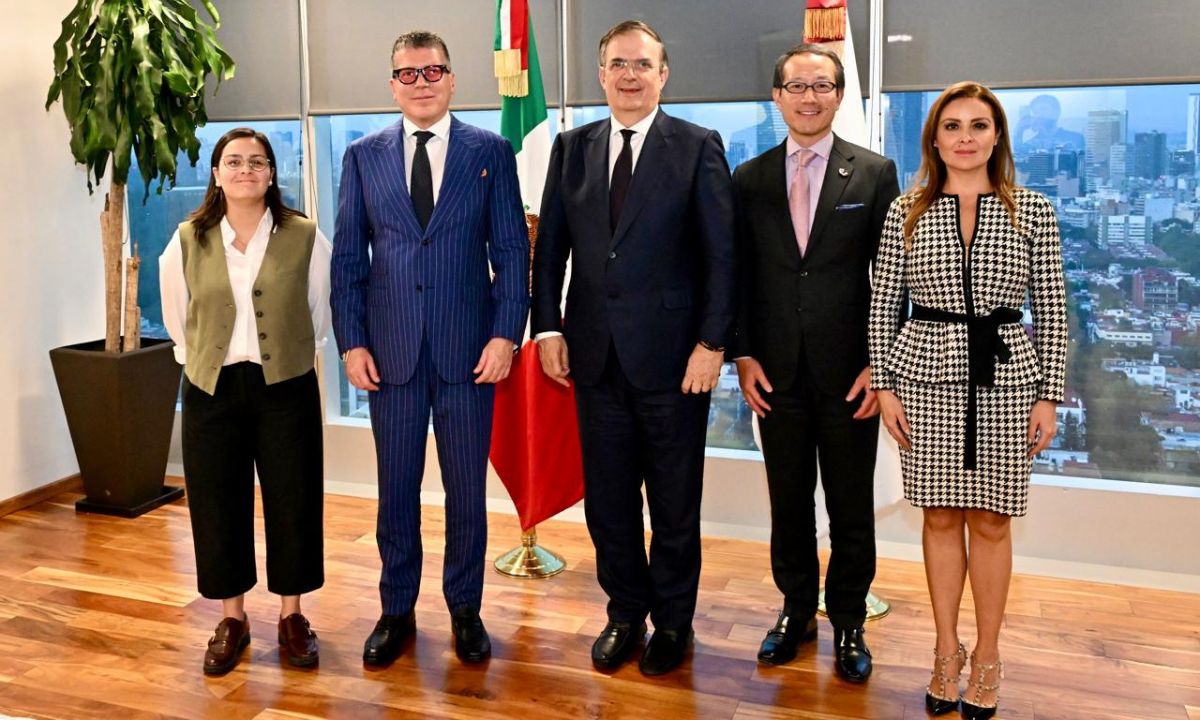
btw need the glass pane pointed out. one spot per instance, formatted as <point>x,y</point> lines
<point>152,224</point>
<point>333,133</point>
<point>1119,163</point>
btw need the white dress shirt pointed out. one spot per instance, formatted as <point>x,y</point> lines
<point>615,141</point>
<point>243,270</point>
<point>435,147</point>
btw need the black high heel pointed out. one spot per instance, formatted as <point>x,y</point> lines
<point>975,711</point>
<point>941,703</point>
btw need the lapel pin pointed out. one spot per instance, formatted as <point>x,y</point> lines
<point>484,173</point>
<point>843,172</point>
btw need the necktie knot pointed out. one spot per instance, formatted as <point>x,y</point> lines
<point>805,156</point>
<point>627,135</point>
<point>422,137</point>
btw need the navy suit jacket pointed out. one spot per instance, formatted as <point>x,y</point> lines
<point>434,284</point>
<point>659,283</point>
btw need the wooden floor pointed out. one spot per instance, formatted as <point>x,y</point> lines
<point>99,618</point>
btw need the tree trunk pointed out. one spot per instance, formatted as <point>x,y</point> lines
<point>132,338</point>
<point>112,233</point>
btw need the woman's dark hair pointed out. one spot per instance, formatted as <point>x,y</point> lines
<point>210,212</point>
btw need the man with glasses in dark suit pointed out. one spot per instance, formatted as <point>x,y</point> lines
<point>642,203</point>
<point>810,213</point>
<point>425,205</point>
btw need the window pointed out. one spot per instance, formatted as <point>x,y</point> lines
<point>152,224</point>
<point>1120,165</point>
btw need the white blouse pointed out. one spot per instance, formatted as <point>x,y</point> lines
<point>243,269</point>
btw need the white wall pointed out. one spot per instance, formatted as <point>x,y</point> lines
<point>52,286</point>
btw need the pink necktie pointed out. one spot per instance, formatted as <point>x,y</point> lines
<point>798,198</point>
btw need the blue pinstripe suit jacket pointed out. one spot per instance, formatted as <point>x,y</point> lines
<point>434,283</point>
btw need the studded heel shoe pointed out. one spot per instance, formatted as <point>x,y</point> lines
<point>979,672</point>
<point>943,702</point>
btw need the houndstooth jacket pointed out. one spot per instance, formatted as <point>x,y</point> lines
<point>1003,266</point>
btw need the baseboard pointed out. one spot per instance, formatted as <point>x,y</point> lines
<point>73,483</point>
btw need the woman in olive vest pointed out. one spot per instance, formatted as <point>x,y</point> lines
<point>245,297</point>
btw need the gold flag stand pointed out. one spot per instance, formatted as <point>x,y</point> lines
<point>530,560</point>
<point>877,607</point>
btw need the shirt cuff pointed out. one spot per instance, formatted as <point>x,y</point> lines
<point>548,334</point>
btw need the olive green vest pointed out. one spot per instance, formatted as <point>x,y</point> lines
<point>285,329</point>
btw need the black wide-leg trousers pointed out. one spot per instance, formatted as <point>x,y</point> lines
<point>248,424</point>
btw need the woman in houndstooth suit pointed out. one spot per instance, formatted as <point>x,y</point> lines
<point>968,396</point>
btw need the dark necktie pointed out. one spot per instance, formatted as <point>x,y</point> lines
<point>618,187</point>
<point>421,186</point>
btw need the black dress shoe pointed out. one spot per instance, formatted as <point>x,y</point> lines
<point>385,641</point>
<point>471,641</point>
<point>665,651</point>
<point>852,659</point>
<point>615,643</point>
<point>779,646</point>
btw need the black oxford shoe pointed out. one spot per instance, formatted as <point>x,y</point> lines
<point>471,641</point>
<point>781,642</point>
<point>386,640</point>
<point>615,643</point>
<point>666,651</point>
<point>852,658</point>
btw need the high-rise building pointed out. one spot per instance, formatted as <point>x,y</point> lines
<point>1150,155</point>
<point>1192,132</point>
<point>1118,165</point>
<point>1105,128</point>
<point>906,116</point>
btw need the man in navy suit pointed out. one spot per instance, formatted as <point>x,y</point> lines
<point>643,204</point>
<point>425,205</point>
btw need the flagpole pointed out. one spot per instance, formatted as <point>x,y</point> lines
<point>530,560</point>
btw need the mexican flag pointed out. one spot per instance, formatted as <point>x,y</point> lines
<point>523,118</point>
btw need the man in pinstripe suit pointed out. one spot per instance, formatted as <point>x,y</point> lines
<point>425,204</point>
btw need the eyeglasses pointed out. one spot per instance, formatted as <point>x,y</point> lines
<point>235,163</point>
<point>431,73</point>
<point>820,87</point>
<point>641,67</point>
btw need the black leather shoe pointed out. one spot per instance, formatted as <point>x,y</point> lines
<point>852,659</point>
<point>471,641</point>
<point>385,641</point>
<point>665,651</point>
<point>615,643</point>
<point>779,646</point>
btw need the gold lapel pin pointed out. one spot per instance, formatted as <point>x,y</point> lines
<point>843,172</point>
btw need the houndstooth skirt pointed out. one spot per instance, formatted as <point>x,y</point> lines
<point>933,469</point>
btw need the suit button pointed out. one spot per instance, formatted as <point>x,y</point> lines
<point>420,287</point>
<point>266,358</point>
<point>425,241</point>
<point>803,273</point>
<point>258,314</point>
<point>262,336</point>
<point>799,309</point>
<point>220,347</point>
<point>257,293</point>
<point>612,255</point>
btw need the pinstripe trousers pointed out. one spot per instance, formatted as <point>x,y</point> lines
<point>462,428</point>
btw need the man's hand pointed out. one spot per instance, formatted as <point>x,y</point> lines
<point>870,404</point>
<point>360,369</point>
<point>893,418</point>
<point>703,369</point>
<point>1043,424</point>
<point>552,352</point>
<point>751,377</point>
<point>495,361</point>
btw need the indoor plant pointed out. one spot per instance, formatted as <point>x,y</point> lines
<point>130,75</point>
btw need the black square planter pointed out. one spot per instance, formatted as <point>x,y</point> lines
<point>120,408</point>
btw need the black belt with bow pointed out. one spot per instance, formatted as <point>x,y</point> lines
<point>985,347</point>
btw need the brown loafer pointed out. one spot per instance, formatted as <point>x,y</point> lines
<point>298,641</point>
<point>226,645</point>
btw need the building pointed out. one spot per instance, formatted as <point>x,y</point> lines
<point>1105,128</point>
<point>1150,157</point>
<point>1123,230</point>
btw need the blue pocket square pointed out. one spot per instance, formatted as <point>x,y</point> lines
<point>849,206</point>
